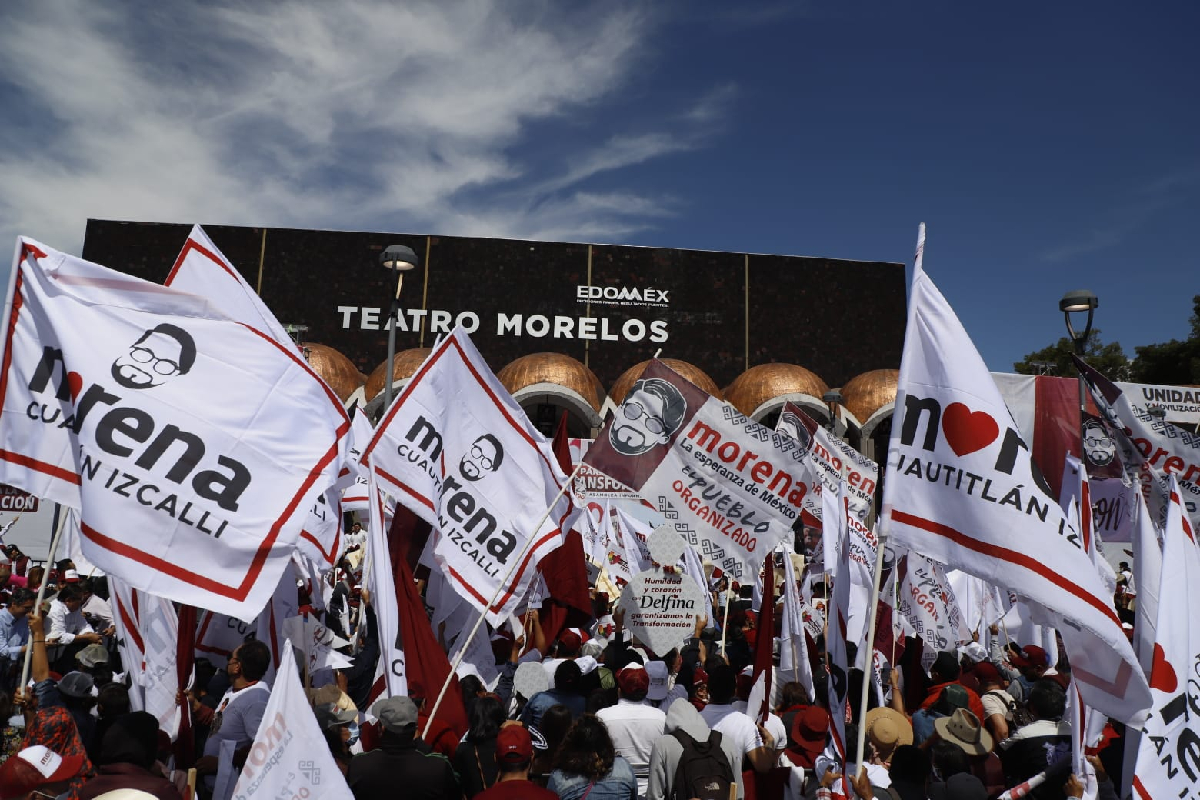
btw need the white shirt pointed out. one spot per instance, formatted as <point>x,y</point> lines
<point>734,724</point>
<point>65,624</point>
<point>99,608</point>
<point>634,727</point>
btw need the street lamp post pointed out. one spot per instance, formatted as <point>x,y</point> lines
<point>1079,302</point>
<point>399,259</point>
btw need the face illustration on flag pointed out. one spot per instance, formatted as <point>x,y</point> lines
<point>831,460</point>
<point>459,451</point>
<point>1153,449</point>
<point>962,490</point>
<point>731,487</point>
<point>168,426</point>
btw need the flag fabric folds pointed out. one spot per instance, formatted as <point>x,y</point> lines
<point>459,451</point>
<point>168,426</point>
<point>962,490</point>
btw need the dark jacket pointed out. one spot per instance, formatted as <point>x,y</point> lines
<point>401,766</point>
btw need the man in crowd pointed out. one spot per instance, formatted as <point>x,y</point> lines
<point>514,755</point>
<point>634,724</point>
<point>68,627</point>
<point>754,741</point>
<point>240,711</point>
<point>402,763</point>
<point>14,636</point>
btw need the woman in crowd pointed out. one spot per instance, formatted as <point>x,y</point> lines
<point>587,765</point>
<point>475,758</point>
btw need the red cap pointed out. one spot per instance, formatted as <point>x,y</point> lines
<point>1030,656</point>
<point>514,745</point>
<point>986,672</point>
<point>34,767</point>
<point>633,680</point>
<point>570,640</point>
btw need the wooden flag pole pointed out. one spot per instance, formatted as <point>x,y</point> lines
<point>725,621</point>
<point>60,522</point>
<point>870,644</point>
<point>482,614</point>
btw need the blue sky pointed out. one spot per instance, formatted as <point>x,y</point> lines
<point>1048,146</point>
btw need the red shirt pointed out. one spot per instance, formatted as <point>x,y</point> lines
<point>974,704</point>
<point>516,790</point>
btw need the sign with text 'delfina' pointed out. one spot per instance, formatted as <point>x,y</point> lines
<point>731,487</point>
<point>661,608</point>
<point>170,428</point>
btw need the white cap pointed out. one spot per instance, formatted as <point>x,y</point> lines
<point>657,670</point>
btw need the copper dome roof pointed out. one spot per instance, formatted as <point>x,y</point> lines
<point>765,382</point>
<point>867,393</point>
<point>694,374</point>
<point>404,365</point>
<point>555,368</point>
<point>334,368</point>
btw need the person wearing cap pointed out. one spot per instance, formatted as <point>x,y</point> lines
<point>68,626</point>
<point>633,723</point>
<point>950,697</point>
<point>38,769</point>
<point>944,671</point>
<point>335,725</point>
<point>14,635</point>
<point>1031,663</point>
<point>997,702</point>
<point>514,755</point>
<point>127,756</point>
<point>401,765</point>
<point>47,720</point>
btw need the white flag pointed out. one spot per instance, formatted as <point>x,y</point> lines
<point>1168,765</point>
<point>318,644</point>
<point>391,677</point>
<point>355,497</point>
<point>962,490</point>
<point>289,757</point>
<point>459,451</point>
<point>283,605</point>
<point>793,645</point>
<point>169,427</point>
<point>201,269</point>
<point>831,461</point>
<point>926,600</point>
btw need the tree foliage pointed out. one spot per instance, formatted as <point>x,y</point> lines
<point>1172,362</point>
<point>1109,358</point>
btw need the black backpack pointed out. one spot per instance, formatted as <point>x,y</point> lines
<point>703,771</point>
<point>1021,716</point>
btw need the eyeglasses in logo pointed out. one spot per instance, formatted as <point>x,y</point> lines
<point>484,458</point>
<point>648,418</point>
<point>162,353</point>
<point>1098,446</point>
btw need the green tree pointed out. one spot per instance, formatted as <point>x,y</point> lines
<point>1172,362</point>
<point>1056,359</point>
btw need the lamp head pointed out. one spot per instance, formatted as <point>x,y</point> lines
<point>398,258</point>
<point>1078,300</point>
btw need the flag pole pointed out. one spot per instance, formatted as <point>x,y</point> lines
<point>482,614</point>
<point>870,643</point>
<point>60,522</point>
<point>725,620</point>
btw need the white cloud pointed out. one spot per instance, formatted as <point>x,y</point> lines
<point>353,114</point>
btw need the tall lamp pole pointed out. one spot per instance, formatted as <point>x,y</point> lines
<point>1079,302</point>
<point>399,259</point>
<point>833,399</point>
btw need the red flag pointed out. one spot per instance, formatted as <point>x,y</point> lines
<point>185,658</point>
<point>570,602</point>
<point>425,661</point>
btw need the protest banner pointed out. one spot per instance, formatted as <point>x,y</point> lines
<point>661,608</point>
<point>731,487</point>
<point>831,460</point>
<point>962,490</point>
<point>459,451</point>
<point>144,409</point>
<point>289,757</point>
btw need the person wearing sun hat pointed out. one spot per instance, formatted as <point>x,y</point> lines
<point>887,729</point>
<point>963,729</point>
<point>37,768</point>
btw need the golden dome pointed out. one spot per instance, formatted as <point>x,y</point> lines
<point>765,382</point>
<point>555,368</point>
<point>867,393</point>
<point>404,365</point>
<point>694,374</point>
<point>334,368</point>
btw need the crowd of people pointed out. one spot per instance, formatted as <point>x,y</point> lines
<point>609,718</point>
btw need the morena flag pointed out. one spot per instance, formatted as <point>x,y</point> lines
<point>191,445</point>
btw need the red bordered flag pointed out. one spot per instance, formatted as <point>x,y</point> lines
<point>171,428</point>
<point>963,490</point>
<point>458,450</point>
